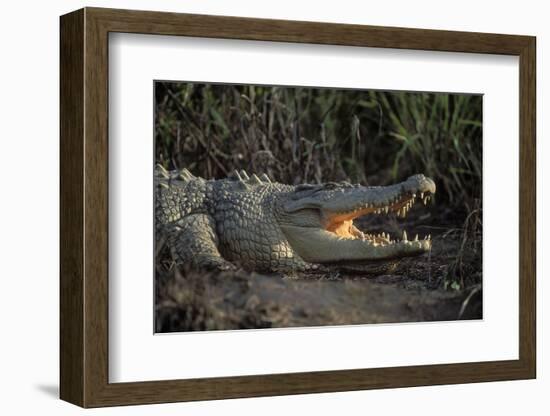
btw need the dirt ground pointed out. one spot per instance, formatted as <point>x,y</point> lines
<point>440,286</point>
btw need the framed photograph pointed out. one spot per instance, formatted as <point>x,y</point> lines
<point>255,207</point>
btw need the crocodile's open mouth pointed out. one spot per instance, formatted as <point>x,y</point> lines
<point>342,227</point>
<point>319,221</point>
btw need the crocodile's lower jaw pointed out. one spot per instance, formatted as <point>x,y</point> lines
<point>316,245</point>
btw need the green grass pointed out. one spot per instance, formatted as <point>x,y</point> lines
<point>313,135</point>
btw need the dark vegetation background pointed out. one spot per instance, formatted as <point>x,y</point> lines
<point>313,135</point>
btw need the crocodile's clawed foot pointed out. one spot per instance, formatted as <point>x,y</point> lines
<point>216,264</point>
<point>226,267</point>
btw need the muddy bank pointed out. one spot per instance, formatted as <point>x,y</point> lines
<point>440,286</point>
<point>239,302</point>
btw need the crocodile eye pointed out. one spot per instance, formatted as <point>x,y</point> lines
<point>305,190</point>
<point>305,187</point>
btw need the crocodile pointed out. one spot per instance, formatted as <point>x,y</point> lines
<point>259,225</point>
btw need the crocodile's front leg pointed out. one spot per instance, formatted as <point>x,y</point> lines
<point>194,242</point>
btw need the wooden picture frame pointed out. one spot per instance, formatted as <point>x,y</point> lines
<point>84,207</point>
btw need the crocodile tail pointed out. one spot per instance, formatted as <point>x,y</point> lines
<point>177,193</point>
<point>183,175</point>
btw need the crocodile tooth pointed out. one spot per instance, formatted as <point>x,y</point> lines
<point>386,209</point>
<point>425,200</point>
<point>421,195</point>
<point>404,236</point>
<point>416,237</point>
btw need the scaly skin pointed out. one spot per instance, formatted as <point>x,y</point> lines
<point>259,225</point>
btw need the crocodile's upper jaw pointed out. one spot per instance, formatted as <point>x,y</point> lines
<point>325,233</point>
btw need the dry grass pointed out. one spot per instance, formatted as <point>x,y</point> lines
<point>299,135</point>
